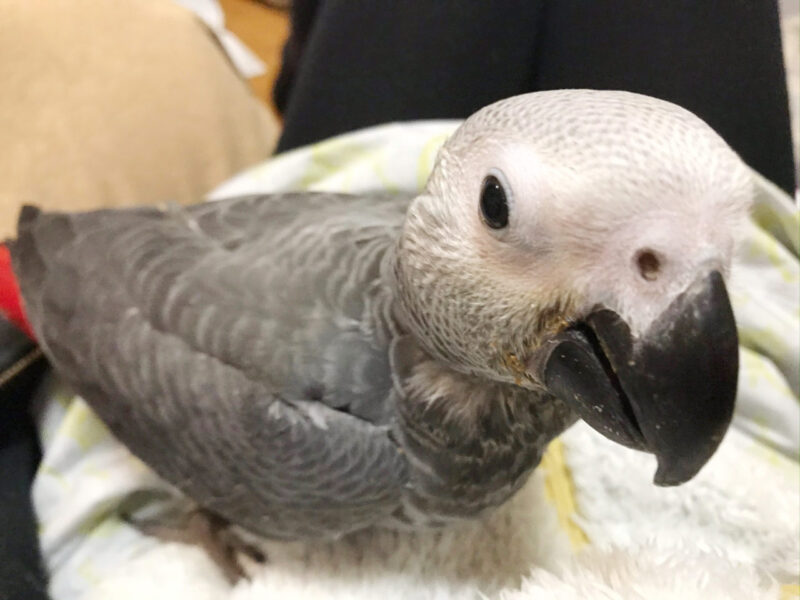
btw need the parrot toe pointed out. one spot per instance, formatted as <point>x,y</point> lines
<point>210,532</point>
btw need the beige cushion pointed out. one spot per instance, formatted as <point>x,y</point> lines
<point>118,102</point>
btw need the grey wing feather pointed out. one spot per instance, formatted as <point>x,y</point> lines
<point>236,347</point>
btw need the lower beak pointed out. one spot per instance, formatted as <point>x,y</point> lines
<point>670,392</point>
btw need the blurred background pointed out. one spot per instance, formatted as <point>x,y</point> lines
<point>264,28</point>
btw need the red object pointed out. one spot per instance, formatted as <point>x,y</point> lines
<point>10,298</point>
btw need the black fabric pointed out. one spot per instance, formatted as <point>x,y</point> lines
<point>22,575</point>
<point>363,62</point>
<point>303,14</point>
<point>722,60</point>
<point>370,61</point>
<point>14,346</point>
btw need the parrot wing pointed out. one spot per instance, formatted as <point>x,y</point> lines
<point>240,348</point>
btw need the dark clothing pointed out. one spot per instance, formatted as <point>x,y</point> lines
<point>21,572</point>
<point>351,64</point>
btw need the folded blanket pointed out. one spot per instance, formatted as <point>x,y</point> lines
<point>589,523</point>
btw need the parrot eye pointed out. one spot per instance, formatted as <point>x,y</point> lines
<point>494,203</point>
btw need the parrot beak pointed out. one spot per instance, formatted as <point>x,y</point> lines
<point>669,392</point>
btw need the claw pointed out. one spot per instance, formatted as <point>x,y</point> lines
<point>200,527</point>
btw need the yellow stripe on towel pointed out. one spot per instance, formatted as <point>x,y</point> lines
<point>560,490</point>
<point>790,591</point>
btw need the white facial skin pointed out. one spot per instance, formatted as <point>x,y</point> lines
<point>615,199</point>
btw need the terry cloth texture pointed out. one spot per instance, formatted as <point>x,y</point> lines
<point>589,524</point>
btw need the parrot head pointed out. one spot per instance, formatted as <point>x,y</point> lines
<point>578,242</point>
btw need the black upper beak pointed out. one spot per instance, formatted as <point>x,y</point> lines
<point>670,392</point>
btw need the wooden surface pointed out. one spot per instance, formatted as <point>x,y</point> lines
<point>264,30</point>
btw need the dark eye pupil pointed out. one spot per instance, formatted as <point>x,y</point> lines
<point>494,206</point>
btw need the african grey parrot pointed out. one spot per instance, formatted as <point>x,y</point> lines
<point>309,364</point>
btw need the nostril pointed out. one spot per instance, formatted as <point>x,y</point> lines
<point>648,263</point>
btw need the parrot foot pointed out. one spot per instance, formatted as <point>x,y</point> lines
<point>213,534</point>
